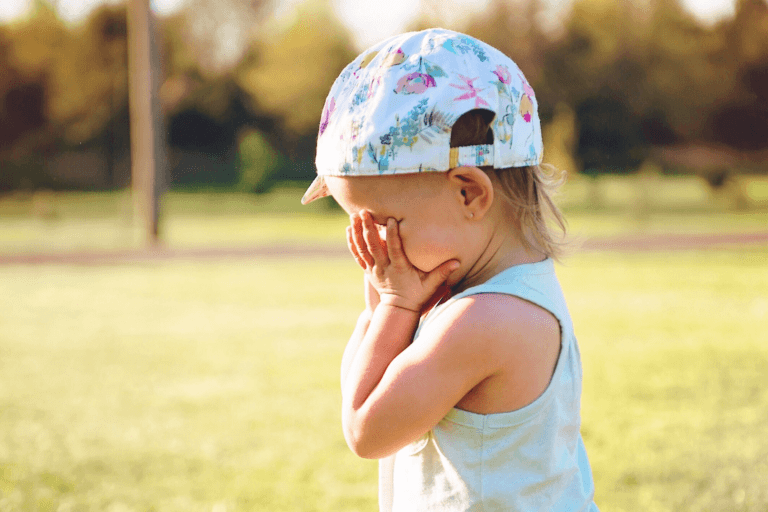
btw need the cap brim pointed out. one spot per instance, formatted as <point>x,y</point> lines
<point>315,191</point>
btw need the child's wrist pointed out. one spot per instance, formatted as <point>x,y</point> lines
<point>400,303</point>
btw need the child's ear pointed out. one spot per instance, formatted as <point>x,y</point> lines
<point>474,189</point>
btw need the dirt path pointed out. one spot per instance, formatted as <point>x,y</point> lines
<point>627,243</point>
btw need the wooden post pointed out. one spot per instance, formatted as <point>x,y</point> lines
<point>147,134</point>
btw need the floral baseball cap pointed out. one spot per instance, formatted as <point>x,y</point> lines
<point>391,110</point>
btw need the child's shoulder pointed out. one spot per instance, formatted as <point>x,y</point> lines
<point>497,316</point>
<point>516,341</point>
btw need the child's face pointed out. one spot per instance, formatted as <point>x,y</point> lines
<point>429,217</point>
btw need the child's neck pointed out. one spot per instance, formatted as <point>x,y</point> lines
<point>502,252</point>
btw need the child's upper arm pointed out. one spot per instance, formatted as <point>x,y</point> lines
<point>473,339</point>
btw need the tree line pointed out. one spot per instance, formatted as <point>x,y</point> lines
<point>242,94</point>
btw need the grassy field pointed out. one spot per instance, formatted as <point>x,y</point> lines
<point>65,222</point>
<point>213,386</point>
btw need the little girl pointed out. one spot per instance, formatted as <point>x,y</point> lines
<point>463,373</point>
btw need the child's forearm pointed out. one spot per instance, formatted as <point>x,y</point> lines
<point>371,301</point>
<point>363,321</point>
<point>389,332</point>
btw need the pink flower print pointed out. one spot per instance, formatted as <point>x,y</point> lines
<point>327,115</point>
<point>526,108</point>
<point>471,91</point>
<point>393,59</point>
<point>375,83</point>
<point>526,100</point>
<point>503,73</point>
<point>415,83</point>
<point>526,87</point>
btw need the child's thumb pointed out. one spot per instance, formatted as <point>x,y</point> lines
<point>441,273</point>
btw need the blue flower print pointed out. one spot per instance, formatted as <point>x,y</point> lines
<point>465,45</point>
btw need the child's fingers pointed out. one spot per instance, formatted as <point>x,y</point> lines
<point>394,244</point>
<point>371,235</point>
<point>353,248</point>
<point>359,241</point>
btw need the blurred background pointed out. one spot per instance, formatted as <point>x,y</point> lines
<point>199,371</point>
<point>678,86</point>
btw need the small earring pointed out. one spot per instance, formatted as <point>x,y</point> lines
<point>471,215</point>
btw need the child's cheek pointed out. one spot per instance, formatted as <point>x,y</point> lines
<point>419,254</point>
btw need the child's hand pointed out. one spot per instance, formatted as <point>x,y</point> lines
<point>370,293</point>
<point>393,277</point>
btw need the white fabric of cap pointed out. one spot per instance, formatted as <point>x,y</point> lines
<point>391,110</point>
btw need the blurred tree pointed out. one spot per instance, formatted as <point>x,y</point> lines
<point>683,80</point>
<point>739,118</point>
<point>64,87</point>
<point>258,162</point>
<point>289,74</point>
<point>609,139</point>
<point>638,74</point>
<point>560,139</point>
<point>180,56</point>
<point>217,32</point>
<point>203,128</point>
<point>23,106</point>
<point>89,76</point>
<point>630,74</point>
<point>27,50</point>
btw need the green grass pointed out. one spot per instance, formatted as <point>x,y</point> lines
<point>199,386</point>
<point>213,386</point>
<point>62,222</point>
<point>176,387</point>
<point>102,221</point>
<point>675,360</point>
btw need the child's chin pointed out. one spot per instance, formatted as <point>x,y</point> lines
<point>423,264</point>
<point>426,265</point>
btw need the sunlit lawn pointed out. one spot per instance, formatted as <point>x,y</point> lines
<point>81,221</point>
<point>201,386</point>
<point>213,386</point>
<point>65,222</point>
<point>176,387</point>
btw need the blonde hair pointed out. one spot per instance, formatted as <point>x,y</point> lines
<point>528,190</point>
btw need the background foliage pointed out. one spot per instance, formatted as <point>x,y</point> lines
<point>616,80</point>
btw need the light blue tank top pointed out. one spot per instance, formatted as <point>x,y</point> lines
<point>531,459</point>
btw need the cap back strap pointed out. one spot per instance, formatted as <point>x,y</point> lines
<point>476,156</point>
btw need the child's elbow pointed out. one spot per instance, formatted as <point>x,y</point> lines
<point>363,443</point>
<point>357,443</point>
<point>365,451</point>
<point>360,449</point>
